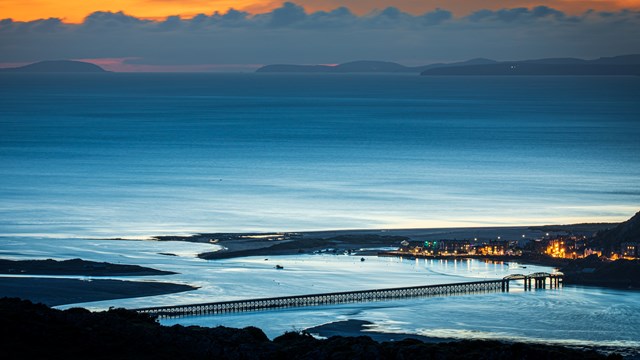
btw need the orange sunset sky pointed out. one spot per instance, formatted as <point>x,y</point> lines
<point>74,11</point>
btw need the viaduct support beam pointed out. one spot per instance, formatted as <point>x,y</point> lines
<point>226,307</point>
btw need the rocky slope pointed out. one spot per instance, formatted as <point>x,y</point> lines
<point>38,332</point>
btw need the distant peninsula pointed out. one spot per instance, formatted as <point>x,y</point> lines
<point>364,66</point>
<point>617,65</point>
<point>74,267</point>
<point>57,66</point>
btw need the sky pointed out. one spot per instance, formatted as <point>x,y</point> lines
<point>201,35</point>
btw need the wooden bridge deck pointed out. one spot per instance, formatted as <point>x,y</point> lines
<point>236,306</point>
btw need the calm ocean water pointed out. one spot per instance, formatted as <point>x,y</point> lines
<point>146,154</point>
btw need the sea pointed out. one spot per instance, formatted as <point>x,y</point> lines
<point>89,157</point>
<point>137,155</point>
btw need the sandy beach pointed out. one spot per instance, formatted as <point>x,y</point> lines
<point>360,328</point>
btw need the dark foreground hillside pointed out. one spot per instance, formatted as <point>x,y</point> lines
<point>622,274</point>
<point>34,331</point>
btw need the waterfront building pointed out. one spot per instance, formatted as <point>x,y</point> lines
<point>455,247</point>
<point>492,248</point>
<point>567,247</point>
<point>629,250</point>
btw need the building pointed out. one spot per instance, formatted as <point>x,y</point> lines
<point>592,251</point>
<point>447,247</point>
<point>492,248</point>
<point>432,247</point>
<point>629,250</point>
<point>566,247</point>
<point>455,246</point>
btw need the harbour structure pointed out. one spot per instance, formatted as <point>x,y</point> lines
<point>532,281</point>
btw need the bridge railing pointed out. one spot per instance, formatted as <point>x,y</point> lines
<point>325,298</point>
<point>501,285</point>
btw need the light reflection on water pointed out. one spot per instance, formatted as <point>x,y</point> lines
<point>571,315</point>
<point>140,154</point>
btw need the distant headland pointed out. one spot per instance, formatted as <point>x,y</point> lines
<point>616,65</point>
<point>57,66</point>
<point>364,66</point>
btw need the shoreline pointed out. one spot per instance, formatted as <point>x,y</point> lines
<point>356,328</point>
<point>120,333</point>
<point>249,244</point>
<point>367,242</point>
<point>62,291</point>
<point>75,266</point>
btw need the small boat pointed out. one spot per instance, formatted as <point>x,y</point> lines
<point>279,267</point>
<point>361,259</point>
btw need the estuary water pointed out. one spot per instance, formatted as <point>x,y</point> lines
<point>124,155</point>
<point>577,316</point>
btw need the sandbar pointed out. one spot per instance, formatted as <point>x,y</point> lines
<point>60,291</point>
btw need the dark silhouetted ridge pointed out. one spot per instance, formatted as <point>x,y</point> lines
<point>38,332</point>
<point>618,65</point>
<point>612,239</point>
<point>363,66</point>
<point>350,67</point>
<point>58,66</point>
<point>595,271</point>
<point>371,66</point>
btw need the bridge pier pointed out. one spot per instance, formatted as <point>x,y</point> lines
<point>501,285</point>
<point>537,280</point>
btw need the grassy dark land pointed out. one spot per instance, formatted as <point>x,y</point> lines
<point>57,291</point>
<point>34,331</point>
<point>582,229</point>
<point>74,267</point>
<point>612,239</point>
<point>622,274</point>
<point>306,245</point>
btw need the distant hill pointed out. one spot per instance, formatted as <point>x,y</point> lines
<point>618,65</point>
<point>586,229</point>
<point>476,61</point>
<point>628,231</point>
<point>350,67</point>
<point>57,66</point>
<point>363,67</point>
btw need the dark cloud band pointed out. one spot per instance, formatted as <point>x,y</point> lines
<point>292,35</point>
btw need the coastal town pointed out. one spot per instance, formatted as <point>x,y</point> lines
<point>556,246</point>
<point>608,244</point>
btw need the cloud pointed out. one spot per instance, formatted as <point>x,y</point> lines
<point>111,20</point>
<point>436,17</point>
<point>286,15</point>
<point>290,34</point>
<point>517,14</point>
